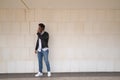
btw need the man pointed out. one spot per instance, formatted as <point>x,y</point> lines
<point>42,50</point>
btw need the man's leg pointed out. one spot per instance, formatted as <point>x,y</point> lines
<point>40,56</point>
<point>45,54</point>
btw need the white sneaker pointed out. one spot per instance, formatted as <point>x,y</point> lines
<point>38,74</point>
<point>49,74</point>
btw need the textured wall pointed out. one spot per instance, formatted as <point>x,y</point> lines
<point>81,40</point>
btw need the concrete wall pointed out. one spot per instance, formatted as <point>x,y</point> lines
<point>81,40</point>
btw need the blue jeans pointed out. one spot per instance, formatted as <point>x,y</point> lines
<point>40,60</point>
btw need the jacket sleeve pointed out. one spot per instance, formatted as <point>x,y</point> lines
<point>44,37</point>
<point>37,44</point>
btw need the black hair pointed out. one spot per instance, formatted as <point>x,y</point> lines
<point>42,26</point>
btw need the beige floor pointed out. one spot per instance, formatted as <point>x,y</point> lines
<point>63,76</point>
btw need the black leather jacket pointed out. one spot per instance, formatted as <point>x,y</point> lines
<point>44,40</point>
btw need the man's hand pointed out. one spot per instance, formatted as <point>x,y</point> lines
<point>38,31</point>
<point>35,51</point>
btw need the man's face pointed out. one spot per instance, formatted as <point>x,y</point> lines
<point>40,29</point>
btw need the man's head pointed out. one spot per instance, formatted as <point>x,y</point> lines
<point>41,27</point>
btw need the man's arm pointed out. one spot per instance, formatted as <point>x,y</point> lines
<point>46,36</point>
<point>37,44</point>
